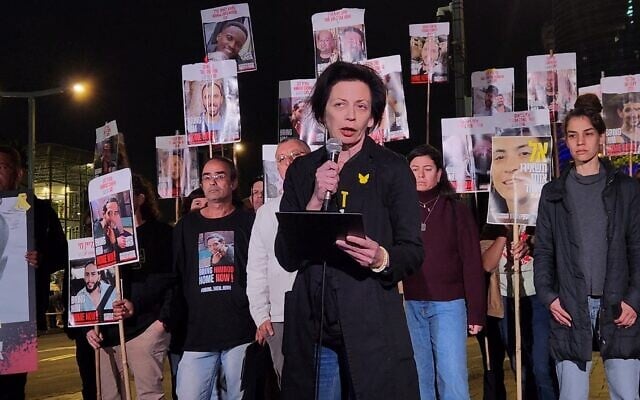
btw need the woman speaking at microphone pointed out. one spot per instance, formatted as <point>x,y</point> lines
<point>365,351</point>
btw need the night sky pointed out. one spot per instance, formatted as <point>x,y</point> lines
<point>132,53</point>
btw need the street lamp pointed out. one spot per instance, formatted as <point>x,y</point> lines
<point>78,89</point>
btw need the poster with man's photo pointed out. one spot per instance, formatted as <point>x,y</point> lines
<point>113,219</point>
<point>295,118</point>
<point>492,91</point>
<point>211,103</point>
<point>522,162</point>
<point>106,152</point>
<point>621,113</point>
<point>552,84</point>
<point>91,291</point>
<point>177,166</point>
<point>228,35</point>
<point>272,179</point>
<point>429,49</point>
<point>18,332</point>
<point>394,125</point>
<point>338,35</point>
<point>216,261</point>
<point>466,150</point>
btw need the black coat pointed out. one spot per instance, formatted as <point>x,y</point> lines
<point>368,306</point>
<point>558,274</point>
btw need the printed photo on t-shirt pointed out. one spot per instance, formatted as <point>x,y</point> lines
<point>216,261</point>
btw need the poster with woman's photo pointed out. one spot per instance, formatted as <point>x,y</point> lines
<point>466,150</point>
<point>211,103</point>
<point>338,35</point>
<point>228,35</point>
<point>492,91</point>
<point>551,84</point>
<point>91,291</point>
<point>18,339</point>
<point>106,152</point>
<point>429,48</point>
<point>621,113</point>
<point>113,219</point>
<point>295,118</point>
<point>521,164</point>
<point>177,166</point>
<point>394,125</point>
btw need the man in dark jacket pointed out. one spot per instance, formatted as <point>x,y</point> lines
<point>587,263</point>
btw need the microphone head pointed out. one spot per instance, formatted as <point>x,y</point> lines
<point>334,146</point>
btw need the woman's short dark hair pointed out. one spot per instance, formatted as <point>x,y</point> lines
<point>341,71</point>
<point>13,154</point>
<point>587,105</point>
<point>148,210</point>
<point>445,188</point>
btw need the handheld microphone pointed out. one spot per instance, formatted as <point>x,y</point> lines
<point>333,147</point>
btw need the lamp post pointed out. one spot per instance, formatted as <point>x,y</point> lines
<point>31,97</point>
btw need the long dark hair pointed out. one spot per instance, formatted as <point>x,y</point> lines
<point>148,210</point>
<point>445,189</point>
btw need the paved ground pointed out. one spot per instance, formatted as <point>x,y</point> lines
<point>57,377</point>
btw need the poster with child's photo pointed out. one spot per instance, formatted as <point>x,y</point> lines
<point>621,113</point>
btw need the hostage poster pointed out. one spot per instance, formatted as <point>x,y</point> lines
<point>521,164</point>
<point>466,150</point>
<point>211,103</point>
<point>429,49</point>
<point>551,84</point>
<point>621,113</point>
<point>492,91</point>
<point>18,332</point>
<point>177,166</point>
<point>113,219</point>
<point>295,118</point>
<point>270,161</point>
<point>338,35</point>
<point>394,124</point>
<point>228,35</point>
<point>91,291</point>
<point>106,152</point>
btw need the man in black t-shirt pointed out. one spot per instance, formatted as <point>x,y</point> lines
<point>210,257</point>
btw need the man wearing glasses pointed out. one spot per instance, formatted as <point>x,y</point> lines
<point>267,281</point>
<point>213,280</point>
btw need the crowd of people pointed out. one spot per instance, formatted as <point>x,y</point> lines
<point>382,315</point>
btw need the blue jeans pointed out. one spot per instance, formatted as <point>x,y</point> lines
<point>438,332</point>
<point>329,377</point>
<point>198,373</point>
<point>622,375</point>
<point>537,367</point>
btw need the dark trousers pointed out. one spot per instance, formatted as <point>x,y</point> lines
<point>12,386</point>
<point>493,378</point>
<point>85,358</point>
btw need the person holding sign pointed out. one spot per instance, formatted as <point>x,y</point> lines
<point>445,299</point>
<point>587,262</point>
<point>365,338</point>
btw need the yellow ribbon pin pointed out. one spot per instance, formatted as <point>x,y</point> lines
<point>363,179</point>
<point>22,203</point>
